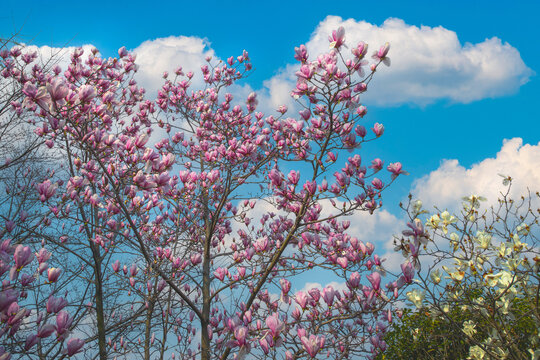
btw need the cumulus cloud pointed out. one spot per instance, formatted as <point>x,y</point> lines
<point>445,186</point>
<point>166,54</point>
<point>50,56</point>
<point>340,286</point>
<point>428,63</point>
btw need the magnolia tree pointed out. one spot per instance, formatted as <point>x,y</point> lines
<point>479,279</point>
<point>191,247</point>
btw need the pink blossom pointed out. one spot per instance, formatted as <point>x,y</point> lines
<point>46,190</point>
<point>310,187</point>
<point>328,295</point>
<point>31,340</point>
<point>196,258</point>
<point>354,280</point>
<point>40,96</point>
<point>63,322</point>
<point>315,294</point>
<point>53,274</point>
<point>275,325</point>
<point>395,169</point>
<point>337,39</point>
<point>378,129</point>
<point>240,333</point>
<point>43,255</point>
<point>312,344</point>
<point>301,299</point>
<point>377,164</point>
<point>285,285</point>
<point>86,93</point>
<point>220,273</point>
<point>301,53</point>
<point>22,256</point>
<point>116,266</point>
<point>360,50</point>
<point>74,345</point>
<point>45,331</point>
<point>54,305</point>
<point>408,272</point>
<point>276,177</point>
<point>57,90</point>
<point>375,280</point>
<point>381,54</point>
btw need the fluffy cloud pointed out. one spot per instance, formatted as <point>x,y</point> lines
<point>446,185</point>
<point>166,54</point>
<point>51,56</point>
<point>428,63</point>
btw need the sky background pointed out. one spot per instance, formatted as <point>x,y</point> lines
<point>459,103</point>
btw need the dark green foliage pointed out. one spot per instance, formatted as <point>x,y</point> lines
<point>418,335</point>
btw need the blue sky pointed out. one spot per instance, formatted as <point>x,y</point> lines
<point>464,117</point>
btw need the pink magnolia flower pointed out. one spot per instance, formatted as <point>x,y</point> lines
<point>46,190</point>
<point>301,299</point>
<point>354,280</point>
<point>360,130</point>
<point>381,54</point>
<point>310,187</point>
<point>275,325</point>
<point>377,164</point>
<point>408,272</point>
<point>54,305</point>
<point>116,266</point>
<point>312,344</point>
<point>342,179</point>
<point>53,274</point>
<point>315,294</point>
<point>375,280</point>
<point>45,331</point>
<point>63,322</point>
<point>122,52</point>
<point>58,91</point>
<point>220,273</point>
<point>73,346</point>
<point>86,93</point>
<point>337,39</point>
<point>43,255</point>
<point>294,177</point>
<point>301,53</point>
<point>360,50</point>
<point>395,169</point>
<point>40,96</point>
<point>342,261</point>
<point>10,225</point>
<point>377,183</point>
<point>285,285</point>
<point>23,256</point>
<point>328,294</point>
<point>240,334</point>
<point>378,129</point>
<point>276,177</point>
<point>265,346</point>
<point>133,270</point>
<point>31,340</point>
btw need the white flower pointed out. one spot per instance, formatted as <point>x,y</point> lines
<point>416,297</point>
<point>469,328</point>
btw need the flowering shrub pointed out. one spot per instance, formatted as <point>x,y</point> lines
<point>478,280</point>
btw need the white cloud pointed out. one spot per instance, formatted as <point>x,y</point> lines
<point>445,186</point>
<point>166,54</point>
<point>428,63</point>
<point>50,56</point>
<point>339,286</point>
